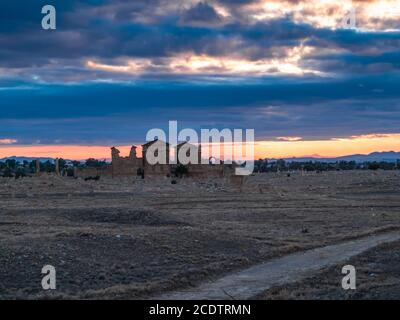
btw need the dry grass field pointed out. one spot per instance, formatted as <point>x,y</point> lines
<point>129,239</point>
<point>378,277</point>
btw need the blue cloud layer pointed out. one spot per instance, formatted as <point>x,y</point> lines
<point>48,95</point>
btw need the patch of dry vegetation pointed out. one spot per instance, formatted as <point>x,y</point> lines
<point>135,238</point>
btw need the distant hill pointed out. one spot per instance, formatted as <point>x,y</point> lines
<point>29,159</point>
<point>390,156</point>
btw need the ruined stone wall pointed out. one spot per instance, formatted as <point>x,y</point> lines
<point>132,166</point>
<point>205,171</point>
<point>105,171</point>
<point>157,170</point>
<point>126,167</point>
<point>158,146</point>
<point>208,171</point>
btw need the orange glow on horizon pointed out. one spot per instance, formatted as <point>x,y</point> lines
<point>363,144</point>
<point>70,152</point>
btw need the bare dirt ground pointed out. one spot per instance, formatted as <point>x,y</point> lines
<point>112,239</point>
<point>280,272</point>
<point>377,274</point>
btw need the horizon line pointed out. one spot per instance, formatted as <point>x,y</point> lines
<point>289,148</point>
<point>313,156</point>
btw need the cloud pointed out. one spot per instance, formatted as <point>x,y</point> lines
<point>190,63</point>
<point>202,14</point>
<point>113,32</point>
<point>370,15</point>
<point>285,68</point>
<point>8,141</point>
<point>374,136</point>
<point>115,113</point>
<point>289,138</point>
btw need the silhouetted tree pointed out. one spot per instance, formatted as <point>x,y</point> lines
<point>373,166</point>
<point>47,166</point>
<point>11,163</point>
<point>76,163</point>
<point>95,163</point>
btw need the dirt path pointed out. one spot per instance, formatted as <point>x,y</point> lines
<point>289,269</point>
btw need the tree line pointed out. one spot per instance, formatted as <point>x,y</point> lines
<point>12,168</point>
<point>264,165</point>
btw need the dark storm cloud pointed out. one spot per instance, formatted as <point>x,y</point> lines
<point>46,86</point>
<point>95,113</point>
<point>201,14</point>
<point>109,30</point>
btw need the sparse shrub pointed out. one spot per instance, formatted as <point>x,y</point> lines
<point>373,166</point>
<point>140,172</point>
<point>174,182</point>
<point>96,178</point>
<point>7,173</point>
<point>181,171</point>
<point>20,174</point>
<point>70,172</point>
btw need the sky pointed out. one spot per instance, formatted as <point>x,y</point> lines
<point>301,75</point>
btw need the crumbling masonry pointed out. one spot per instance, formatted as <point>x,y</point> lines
<point>132,166</point>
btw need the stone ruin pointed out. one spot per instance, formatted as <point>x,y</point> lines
<point>132,166</point>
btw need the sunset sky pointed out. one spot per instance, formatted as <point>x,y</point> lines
<point>291,70</point>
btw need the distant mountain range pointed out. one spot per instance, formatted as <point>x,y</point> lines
<point>29,159</point>
<point>390,156</point>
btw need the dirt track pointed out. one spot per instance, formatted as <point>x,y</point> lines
<point>119,239</point>
<point>292,268</point>
<point>377,275</point>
